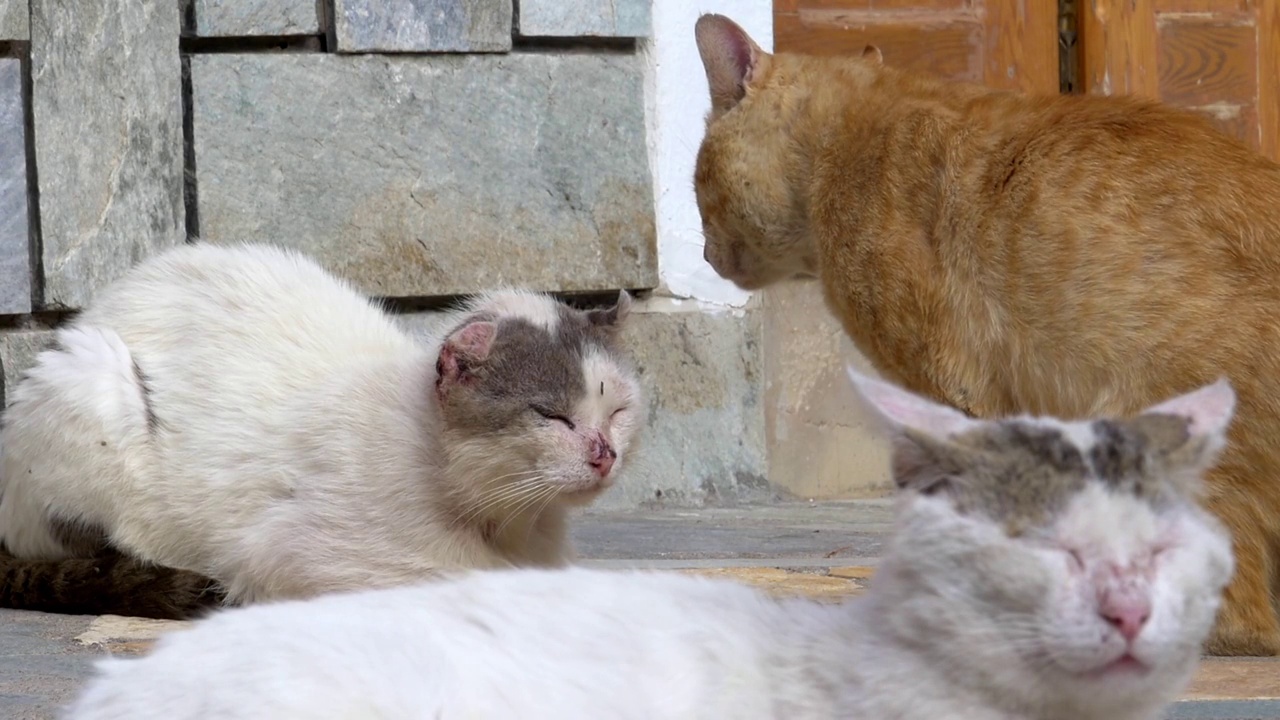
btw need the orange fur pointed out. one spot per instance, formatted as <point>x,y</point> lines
<point>1004,253</point>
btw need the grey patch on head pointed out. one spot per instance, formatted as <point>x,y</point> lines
<point>153,422</point>
<point>1021,474</point>
<point>1015,473</point>
<point>1133,456</point>
<point>530,367</point>
<point>78,537</point>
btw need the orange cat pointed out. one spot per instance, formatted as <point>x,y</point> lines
<point>1065,255</point>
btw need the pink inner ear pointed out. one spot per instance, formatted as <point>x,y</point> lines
<point>728,55</point>
<point>474,340</point>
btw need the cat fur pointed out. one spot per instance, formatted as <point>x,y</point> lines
<point>1004,253</point>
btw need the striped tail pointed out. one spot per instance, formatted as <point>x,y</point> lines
<point>110,583</point>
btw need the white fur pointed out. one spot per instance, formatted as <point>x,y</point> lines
<point>961,622</point>
<point>593,644</point>
<point>299,447</point>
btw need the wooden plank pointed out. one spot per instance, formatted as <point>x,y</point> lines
<point>1205,61</point>
<point>1239,121</point>
<point>1269,77</point>
<point>791,6</point>
<point>1022,45</point>
<point>1118,47</point>
<point>1216,7</point>
<point>953,49</point>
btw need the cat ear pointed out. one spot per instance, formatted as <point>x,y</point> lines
<point>463,350</point>
<point>1208,410</point>
<point>872,53</point>
<point>730,58</point>
<point>614,317</point>
<point>922,459</point>
<point>898,409</point>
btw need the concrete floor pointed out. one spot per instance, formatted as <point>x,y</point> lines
<point>824,550</point>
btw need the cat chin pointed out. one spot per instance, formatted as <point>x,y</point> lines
<point>1124,667</point>
<point>577,494</point>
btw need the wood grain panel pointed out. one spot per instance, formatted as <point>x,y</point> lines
<point>1239,121</point>
<point>1019,31</point>
<point>951,49</point>
<point>1215,7</point>
<point>1207,61</point>
<point>1118,47</point>
<point>783,6</point>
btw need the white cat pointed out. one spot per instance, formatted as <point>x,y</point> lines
<point>241,413</point>
<point>1039,570</point>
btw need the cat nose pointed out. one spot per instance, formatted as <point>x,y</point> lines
<point>602,456</point>
<point>1126,613</point>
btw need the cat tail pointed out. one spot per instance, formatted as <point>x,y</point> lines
<point>110,583</point>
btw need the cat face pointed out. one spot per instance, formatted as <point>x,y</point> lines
<point>537,401</point>
<point>749,174</point>
<point>1067,559</point>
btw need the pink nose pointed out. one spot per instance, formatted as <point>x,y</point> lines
<point>1126,613</point>
<point>602,455</point>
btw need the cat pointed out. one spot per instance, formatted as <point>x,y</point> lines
<point>1038,570</point>
<point>240,413</point>
<point>1075,256</point>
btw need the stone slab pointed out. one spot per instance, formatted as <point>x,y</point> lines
<point>834,535</point>
<point>822,445</point>
<point>15,20</point>
<point>18,351</point>
<point>248,18</point>
<point>41,665</point>
<point>107,98</point>
<point>432,175</point>
<point>15,238</point>
<point>470,26</point>
<point>704,442</point>
<point>586,18</point>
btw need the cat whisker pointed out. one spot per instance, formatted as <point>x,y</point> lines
<point>546,491</point>
<point>507,495</point>
<point>538,511</point>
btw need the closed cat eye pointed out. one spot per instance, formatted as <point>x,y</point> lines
<point>549,415</point>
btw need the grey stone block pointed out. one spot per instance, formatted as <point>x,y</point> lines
<point>705,441</point>
<point>14,20</point>
<point>246,18</point>
<point>422,25</point>
<point>432,175</point>
<point>107,99</point>
<point>15,252</point>
<point>585,18</point>
<point>18,351</point>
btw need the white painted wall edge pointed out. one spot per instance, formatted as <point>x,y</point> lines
<point>676,103</point>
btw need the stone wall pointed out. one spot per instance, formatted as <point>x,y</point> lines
<point>421,148</point>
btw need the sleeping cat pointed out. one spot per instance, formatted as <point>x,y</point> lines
<point>1066,255</point>
<point>239,413</point>
<point>1039,570</point>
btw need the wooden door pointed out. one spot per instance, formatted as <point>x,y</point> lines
<point>1002,43</point>
<point>1220,58</point>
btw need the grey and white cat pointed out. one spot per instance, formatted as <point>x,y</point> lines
<point>1039,570</point>
<point>241,413</point>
